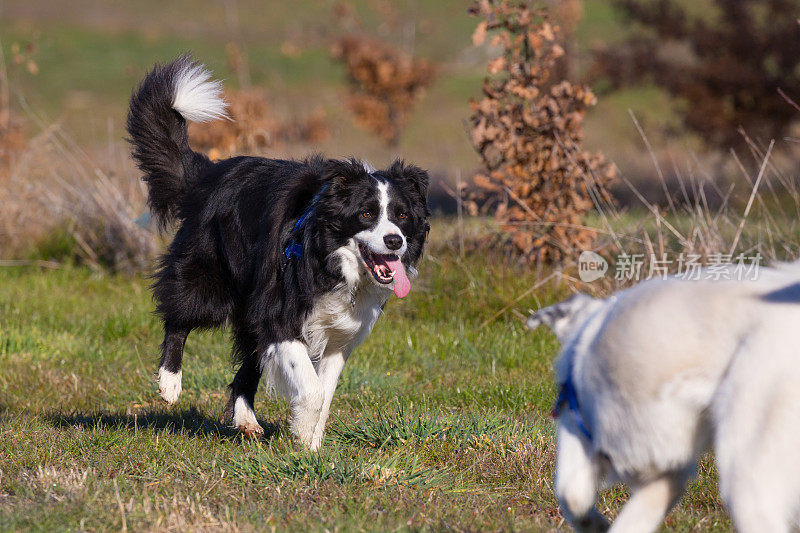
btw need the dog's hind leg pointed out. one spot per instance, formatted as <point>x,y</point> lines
<point>756,445</point>
<point>577,478</point>
<point>169,369</point>
<point>650,502</point>
<point>755,499</point>
<point>188,296</point>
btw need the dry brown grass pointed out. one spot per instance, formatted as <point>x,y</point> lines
<point>12,141</point>
<point>754,217</point>
<point>57,190</point>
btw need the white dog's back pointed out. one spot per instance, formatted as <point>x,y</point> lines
<point>668,366</point>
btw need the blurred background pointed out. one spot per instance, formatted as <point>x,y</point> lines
<point>686,99</point>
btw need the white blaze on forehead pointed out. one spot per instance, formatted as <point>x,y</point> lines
<point>373,237</point>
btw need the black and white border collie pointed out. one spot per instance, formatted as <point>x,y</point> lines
<point>299,256</point>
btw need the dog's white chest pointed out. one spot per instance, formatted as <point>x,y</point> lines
<point>341,319</point>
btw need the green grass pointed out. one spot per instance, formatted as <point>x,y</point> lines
<point>437,423</point>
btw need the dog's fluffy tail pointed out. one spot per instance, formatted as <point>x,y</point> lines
<point>167,97</point>
<point>564,317</point>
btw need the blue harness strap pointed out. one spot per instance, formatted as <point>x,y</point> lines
<point>567,395</point>
<point>294,248</point>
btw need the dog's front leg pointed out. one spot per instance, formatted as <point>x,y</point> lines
<point>298,382</point>
<point>577,478</point>
<point>329,370</point>
<point>649,503</point>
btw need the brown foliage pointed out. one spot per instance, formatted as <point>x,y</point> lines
<point>254,127</point>
<point>12,140</point>
<point>731,70</point>
<point>537,179</point>
<point>384,84</point>
<point>12,132</point>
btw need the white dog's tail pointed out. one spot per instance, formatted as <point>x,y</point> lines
<point>565,316</point>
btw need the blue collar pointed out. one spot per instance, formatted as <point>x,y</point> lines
<point>294,248</point>
<point>567,395</point>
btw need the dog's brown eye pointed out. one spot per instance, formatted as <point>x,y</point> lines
<point>366,215</point>
<point>402,215</point>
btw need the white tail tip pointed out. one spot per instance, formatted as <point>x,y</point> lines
<point>198,98</point>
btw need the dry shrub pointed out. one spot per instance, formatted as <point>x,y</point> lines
<point>12,140</point>
<point>254,126</point>
<point>727,67</point>
<point>108,230</point>
<point>756,224</point>
<point>56,188</point>
<point>568,13</point>
<point>385,83</point>
<point>527,128</point>
<point>238,62</point>
<point>12,131</point>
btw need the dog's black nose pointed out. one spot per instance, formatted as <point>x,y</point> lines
<point>393,241</point>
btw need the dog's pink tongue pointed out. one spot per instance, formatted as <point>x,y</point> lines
<point>401,284</point>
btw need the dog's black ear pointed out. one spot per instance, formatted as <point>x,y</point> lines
<point>412,176</point>
<point>339,173</point>
<point>548,316</point>
<point>563,316</point>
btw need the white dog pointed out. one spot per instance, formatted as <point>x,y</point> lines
<point>654,375</point>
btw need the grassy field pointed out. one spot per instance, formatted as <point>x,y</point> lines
<point>440,420</point>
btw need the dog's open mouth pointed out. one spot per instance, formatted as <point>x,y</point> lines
<point>386,269</point>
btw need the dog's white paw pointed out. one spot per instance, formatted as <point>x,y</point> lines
<point>244,419</point>
<point>169,385</point>
<point>252,431</point>
<point>305,418</point>
<point>316,442</point>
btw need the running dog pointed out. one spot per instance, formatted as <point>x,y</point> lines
<point>299,256</point>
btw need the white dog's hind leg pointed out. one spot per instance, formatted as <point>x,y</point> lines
<point>758,488</point>
<point>577,478</point>
<point>751,505</point>
<point>296,379</point>
<point>757,435</point>
<point>330,368</point>
<point>649,503</point>
<point>756,448</point>
<point>758,470</point>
